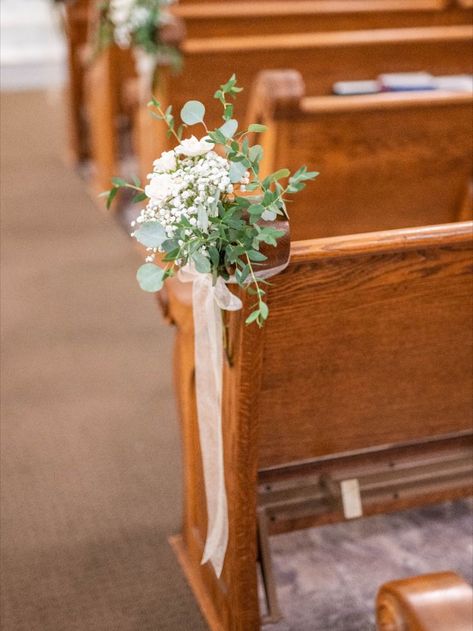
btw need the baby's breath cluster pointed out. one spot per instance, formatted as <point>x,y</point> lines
<point>184,192</point>
<point>207,205</point>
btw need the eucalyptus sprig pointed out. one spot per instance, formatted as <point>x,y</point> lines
<point>208,205</point>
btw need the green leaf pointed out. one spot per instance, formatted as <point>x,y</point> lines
<point>217,137</point>
<point>112,193</point>
<point>229,128</point>
<point>256,153</point>
<point>151,234</point>
<point>254,127</point>
<point>201,262</point>
<point>236,172</point>
<point>277,175</point>
<point>139,197</point>
<point>150,277</point>
<point>263,309</point>
<point>193,112</point>
<point>256,209</point>
<point>254,255</point>
<point>252,317</point>
<point>119,181</point>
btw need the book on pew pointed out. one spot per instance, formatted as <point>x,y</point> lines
<point>404,82</point>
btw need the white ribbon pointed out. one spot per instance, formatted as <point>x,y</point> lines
<point>207,300</point>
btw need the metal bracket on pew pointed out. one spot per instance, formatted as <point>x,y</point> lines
<point>348,497</point>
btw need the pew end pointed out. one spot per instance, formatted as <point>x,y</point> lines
<point>432,602</point>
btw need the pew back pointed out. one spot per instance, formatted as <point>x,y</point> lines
<point>330,57</point>
<point>369,343</point>
<point>395,160</point>
<point>221,19</point>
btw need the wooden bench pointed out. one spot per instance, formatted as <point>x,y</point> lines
<point>408,154</point>
<point>432,602</point>
<point>329,56</point>
<point>323,59</point>
<point>362,372</point>
<point>224,19</point>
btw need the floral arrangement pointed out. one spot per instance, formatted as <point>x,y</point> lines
<point>208,207</point>
<point>135,24</point>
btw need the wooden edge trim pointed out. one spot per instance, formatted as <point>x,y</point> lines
<point>276,92</point>
<point>378,242</point>
<point>322,40</point>
<point>383,101</point>
<point>198,589</point>
<point>272,8</point>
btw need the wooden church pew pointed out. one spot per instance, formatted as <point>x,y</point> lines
<point>323,58</point>
<point>223,19</point>
<point>371,381</point>
<point>432,602</point>
<point>391,159</point>
<point>76,22</point>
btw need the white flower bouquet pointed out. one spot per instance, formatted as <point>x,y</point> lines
<point>207,206</point>
<point>136,24</point>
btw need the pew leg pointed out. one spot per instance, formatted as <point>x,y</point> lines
<point>274,613</point>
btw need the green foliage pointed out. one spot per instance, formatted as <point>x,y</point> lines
<point>227,241</point>
<point>150,277</point>
<point>193,112</point>
<point>150,234</point>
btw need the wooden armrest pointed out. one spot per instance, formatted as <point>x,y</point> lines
<point>432,602</point>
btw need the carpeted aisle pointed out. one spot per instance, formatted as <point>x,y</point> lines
<point>90,444</point>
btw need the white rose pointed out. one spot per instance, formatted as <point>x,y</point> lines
<point>160,187</point>
<point>192,147</point>
<point>167,162</point>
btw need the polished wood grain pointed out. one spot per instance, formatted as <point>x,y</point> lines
<point>386,161</point>
<point>432,602</point>
<point>330,57</point>
<point>368,345</point>
<point>221,19</point>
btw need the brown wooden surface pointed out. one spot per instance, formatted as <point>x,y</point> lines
<point>432,602</point>
<point>76,26</point>
<point>329,56</point>
<point>393,159</point>
<point>368,343</point>
<point>390,344</point>
<point>223,19</point>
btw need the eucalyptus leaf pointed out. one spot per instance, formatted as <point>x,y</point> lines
<point>201,262</point>
<point>236,172</point>
<point>229,128</point>
<point>257,128</point>
<point>150,277</point>
<point>193,112</point>
<point>151,234</point>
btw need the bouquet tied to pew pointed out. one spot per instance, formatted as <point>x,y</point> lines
<point>208,208</point>
<point>137,24</point>
<point>207,216</point>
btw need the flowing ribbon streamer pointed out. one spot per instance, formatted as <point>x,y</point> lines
<point>207,301</point>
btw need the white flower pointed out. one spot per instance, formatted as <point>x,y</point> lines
<point>192,147</point>
<point>160,187</point>
<point>167,162</point>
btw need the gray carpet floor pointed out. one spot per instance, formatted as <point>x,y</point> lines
<point>90,445</point>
